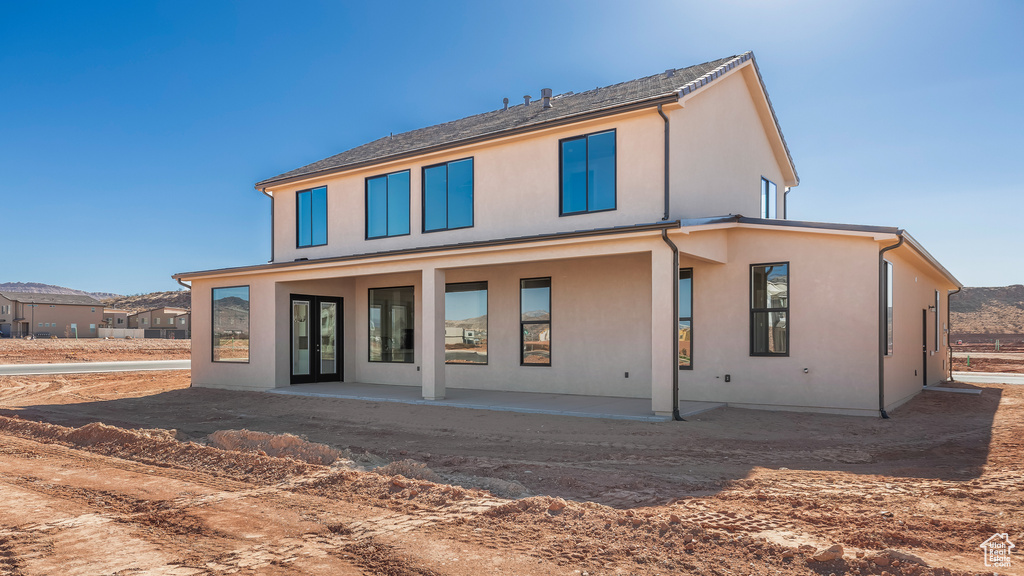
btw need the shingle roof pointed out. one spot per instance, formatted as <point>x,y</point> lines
<point>41,298</point>
<point>494,123</point>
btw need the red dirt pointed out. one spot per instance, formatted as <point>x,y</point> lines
<point>57,351</point>
<point>116,474</point>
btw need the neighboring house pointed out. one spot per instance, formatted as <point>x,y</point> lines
<point>45,315</point>
<point>598,237</point>
<point>114,318</point>
<point>163,319</point>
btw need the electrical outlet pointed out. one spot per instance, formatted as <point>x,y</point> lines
<point>728,378</point>
<point>627,374</point>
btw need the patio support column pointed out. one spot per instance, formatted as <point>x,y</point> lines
<point>432,352</point>
<point>664,352</point>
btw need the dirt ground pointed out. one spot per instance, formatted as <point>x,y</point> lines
<point>137,473</point>
<point>985,358</point>
<point>56,351</point>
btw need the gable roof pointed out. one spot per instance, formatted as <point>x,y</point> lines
<point>569,107</point>
<point>42,298</point>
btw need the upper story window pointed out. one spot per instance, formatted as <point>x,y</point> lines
<point>769,199</point>
<point>587,173</point>
<point>769,309</point>
<point>387,205</point>
<point>311,217</point>
<point>888,309</point>
<point>448,196</point>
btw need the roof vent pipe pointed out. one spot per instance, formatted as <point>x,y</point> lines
<point>545,96</point>
<point>505,102</point>
<point>526,100</point>
<point>670,72</point>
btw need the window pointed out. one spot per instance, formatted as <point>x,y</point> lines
<point>448,196</point>
<point>391,324</point>
<point>93,309</point>
<point>40,324</point>
<point>937,328</point>
<point>92,328</point>
<point>465,323</point>
<point>535,321</point>
<point>157,321</point>
<point>143,320</point>
<point>230,324</point>
<point>769,199</point>
<point>311,217</point>
<point>387,205</point>
<point>888,309</point>
<point>587,173</point>
<point>120,320</point>
<point>769,309</point>
<point>686,318</point>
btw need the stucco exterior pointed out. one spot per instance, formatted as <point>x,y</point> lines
<point>30,314</point>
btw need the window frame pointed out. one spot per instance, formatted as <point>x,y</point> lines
<point>487,313</point>
<point>412,318</point>
<point>524,322</point>
<point>387,213</point>
<point>298,229</point>
<point>686,318</point>
<point>248,324</point>
<point>786,309</point>
<point>766,199</point>
<point>423,195</point>
<point>561,174</point>
<point>938,302</point>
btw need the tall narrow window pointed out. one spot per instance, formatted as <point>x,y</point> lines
<point>888,309</point>
<point>311,217</point>
<point>465,323</point>
<point>769,199</point>
<point>448,196</point>
<point>391,324</point>
<point>769,309</point>
<point>686,318</point>
<point>587,170</point>
<point>938,329</point>
<point>387,205</point>
<point>230,324</point>
<point>535,321</point>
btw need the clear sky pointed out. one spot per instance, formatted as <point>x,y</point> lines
<point>131,133</point>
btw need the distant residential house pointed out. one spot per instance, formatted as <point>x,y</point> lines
<point>114,318</point>
<point>44,315</point>
<point>163,318</point>
<point>628,241</point>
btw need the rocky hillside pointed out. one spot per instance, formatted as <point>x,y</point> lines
<point>37,288</point>
<point>997,310</point>
<point>139,302</point>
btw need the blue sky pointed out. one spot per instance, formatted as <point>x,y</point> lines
<point>131,133</point>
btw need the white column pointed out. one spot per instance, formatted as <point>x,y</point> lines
<point>432,352</point>
<point>664,349</point>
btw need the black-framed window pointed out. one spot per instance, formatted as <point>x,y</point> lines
<point>535,322</point>
<point>387,205</point>
<point>769,199</point>
<point>230,324</point>
<point>587,173</point>
<point>311,217</point>
<point>769,309</point>
<point>448,195</point>
<point>391,324</point>
<point>685,318</point>
<point>938,330</point>
<point>465,323</point>
<point>889,333</point>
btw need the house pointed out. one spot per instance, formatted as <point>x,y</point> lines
<point>115,318</point>
<point>45,315</point>
<point>627,241</point>
<point>163,319</point>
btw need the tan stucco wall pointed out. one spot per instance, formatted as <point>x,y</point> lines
<point>63,315</point>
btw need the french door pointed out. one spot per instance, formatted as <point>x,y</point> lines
<point>315,339</point>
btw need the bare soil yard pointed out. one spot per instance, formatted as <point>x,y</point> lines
<point>57,351</point>
<point>985,358</point>
<point>138,473</point>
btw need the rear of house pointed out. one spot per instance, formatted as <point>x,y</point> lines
<point>25,314</point>
<point>587,244</point>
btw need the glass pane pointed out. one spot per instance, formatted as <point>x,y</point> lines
<point>435,198</point>
<point>465,323</point>
<point>536,343</point>
<point>535,299</point>
<point>304,208</point>
<point>685,293</point>
<point>769,333</point>
<point>300,338</point>
<point>328,338</point>
<point>685,343</point>
<point>231,324</point>
<point>398,203</point>
<point>758,287</point>
<point>319,221</point>
<point>601,171</point>
<point>772,200</point>
<point>778,286</point>
<point>888,309</point>
<point>574,175</point>
<point>460,193</point>
<point>377,207</point>
<point>391,324</point>
<point>764,198</point>
<point>376,354</point>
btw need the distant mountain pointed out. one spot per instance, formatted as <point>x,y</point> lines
<point>37,288</point>
<point>998,310</point>
<point>140,302</point>
<point>478,323</point>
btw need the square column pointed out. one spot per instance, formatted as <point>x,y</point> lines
<point>432,347</point>
<point>664,327</point>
